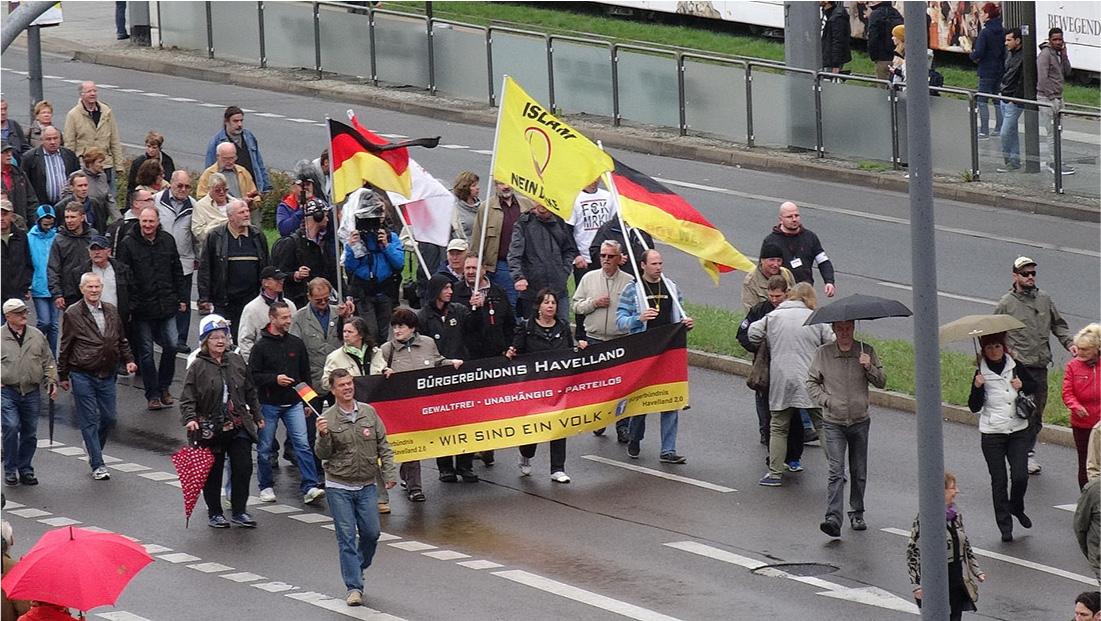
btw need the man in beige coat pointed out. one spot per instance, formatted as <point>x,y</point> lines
<point>90,123</point>
<point>27,364</point>
<point>501,213</point>
<point>239,181</point>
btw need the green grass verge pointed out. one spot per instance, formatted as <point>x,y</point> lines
<point>565,21</point>
<point>716,328</point>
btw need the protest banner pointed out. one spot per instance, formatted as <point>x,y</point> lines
<point>497,403</point>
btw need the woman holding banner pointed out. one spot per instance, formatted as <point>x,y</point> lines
<point>544,331</point>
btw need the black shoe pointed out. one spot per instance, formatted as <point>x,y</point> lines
<point>672,458</point>
<point>830,527</point>
<point>182,348</point>
<point>291,458</point>
<point>11,478</point>
<point>1023,519</point>
<point>599,432</point>
<point>633,449</point>
<point>468,476</point>
<point>1007,537</point>
<point>122,37</point>
<point>28,478</point>
<point>448,477</point>
<point>218,521</point>
<point>858,523</point>
<point>487,458</point>
<point>622,436</point>
<point>244,520</point>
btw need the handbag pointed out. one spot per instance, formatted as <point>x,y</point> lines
<point>1025,406</point>
<point>758,377</point>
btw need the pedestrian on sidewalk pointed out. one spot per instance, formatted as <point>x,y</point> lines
<point>120,21</point>
<point>662,304</point>
<point>352,438</point>
<point>1031,346</point>
<point>836,37</point>
<point>1052,69</point>
<point>93,342</point>
<point>1013,85</point>
<point>838,380</point>
<point>882,19</point>
<point>963,569</point>
<point>219,398</point>
<point>989,54</point>
<point>1082,392</point>
<point>28,365</point>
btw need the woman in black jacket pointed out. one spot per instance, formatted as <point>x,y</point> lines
<point>544,331</point>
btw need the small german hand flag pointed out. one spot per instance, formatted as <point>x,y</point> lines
<point>304,391</point>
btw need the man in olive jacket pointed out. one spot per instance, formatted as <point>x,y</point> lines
<point>352,438</point>
<point>27,365</point>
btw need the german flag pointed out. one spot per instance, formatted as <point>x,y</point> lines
<point>654,208</point>
<point>358,155</point>
<point>304,391</point>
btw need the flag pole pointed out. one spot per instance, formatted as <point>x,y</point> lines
<point>490,187</point>
<point>334,222</point>
<point>416,244</point>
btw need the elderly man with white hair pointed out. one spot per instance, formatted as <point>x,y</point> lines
<point>239,180</point>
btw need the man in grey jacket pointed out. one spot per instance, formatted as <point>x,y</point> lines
<point>541,255</point>
<point>838,380</point>
<point>175,206</point>
<point>1052,68</point>
<point>1031,346</point>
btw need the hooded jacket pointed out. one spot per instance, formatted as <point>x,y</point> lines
<point>836,37</point>
<point>274,355</point>
<point>541,252</point>
<point>371,271</point>
<point>881,20</point>
<point>1052,69</point>
<point>1082,389</point>
<point>158,283</point>
<point>69,250</point>
<point>40,242</point>
<point>445,325</point>
<point>989,50</point>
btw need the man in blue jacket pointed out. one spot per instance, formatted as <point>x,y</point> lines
<point>248,150</point>
<point>989,54</point>
<point>374,258</point>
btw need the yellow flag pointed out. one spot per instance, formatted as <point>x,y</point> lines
<point>542,157</point>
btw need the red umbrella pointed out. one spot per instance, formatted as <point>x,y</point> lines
<point>193,464</point>
<point>76,568</point>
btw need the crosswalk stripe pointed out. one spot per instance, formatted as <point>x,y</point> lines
<point>581,595</point>
<point>660,474</point>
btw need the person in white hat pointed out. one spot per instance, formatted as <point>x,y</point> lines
<point>27,364</point>
<point>1031,346</point>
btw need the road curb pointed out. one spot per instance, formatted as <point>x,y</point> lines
<point>1050,434</point>
<point>653,143</point>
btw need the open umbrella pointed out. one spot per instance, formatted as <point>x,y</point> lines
<point>856,307</point>
<point>193,464</point>
<point>76,568</point>
<point>974,326</point>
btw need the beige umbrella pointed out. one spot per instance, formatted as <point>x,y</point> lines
<point>974,326</point>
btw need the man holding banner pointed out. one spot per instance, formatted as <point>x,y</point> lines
<point>662,305</point>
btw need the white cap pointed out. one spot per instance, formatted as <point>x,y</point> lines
<point>14,305</point>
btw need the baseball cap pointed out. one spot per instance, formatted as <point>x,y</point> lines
<point>458,244</point>
<point>1021,262</point>
<point>5,205</point>
<point>99,241</point>
<point>5,146</point>
<point>14,305</point>
<point>272,272</point>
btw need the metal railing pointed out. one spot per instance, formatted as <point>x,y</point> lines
<point>306,17</point>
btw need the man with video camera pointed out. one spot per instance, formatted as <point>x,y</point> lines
<point>374,257</point>
<point>307,253</point>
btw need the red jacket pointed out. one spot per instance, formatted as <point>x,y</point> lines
<point>1082,388</point>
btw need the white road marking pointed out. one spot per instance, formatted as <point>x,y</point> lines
<point>179,557</point>
<point>154,94</point>
<point>131,90</point>
<point>1055,571</point>
<point>270,115</point>
<point>277,509</point>
<point>393,135</point>
<point>445,555</point>
<point>880,218</point>
<point>106,85</point>
<point>175,483</point>
<point>308,596</point>
<point>183,99</point>
<point>52,77</point>
<point>153,548</point>
<point>107,459</point>
<point>658,473</point>
<point>387,537</point>
<point>480,564</point>
<point>412,546</point>
<point>302,120</point>
<point>46,444</point>
<point>247,110</point>
<point>120,615</point>
<point>1071,508</point>
<point>158,476</point>
<point>454,146</point>
<point>874,596</point>
<point>30,512</point>
<point>359,612</point>
<point>581,595</point>
<point>59,521</point>
<point>211,105</point>
<point>210,568</point>
<point>312,518</point>
<point>14,505</point>
<point>18,72</point>
<point>953,296</point>
<point>129,467</point>
<point>331,527</point>
<point>696,547</point>
<point>68,450</point>
<point>243,576</point>
<point>94,529</point>
<point>274,586</point>
<point>482,151</point>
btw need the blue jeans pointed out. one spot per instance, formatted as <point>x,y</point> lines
<point>294,418</point>
<point>120,18</point>
<point>502,279</point>
<point>637,430</point>
<point>1011,138</point>
<point>163,332</point>
<point>95,412</point>
<point>20,425</point>
<point>47,318</point>
<point>989,85</point>
<point>352,512</point>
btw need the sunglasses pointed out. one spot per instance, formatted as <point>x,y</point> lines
<point>1028,274</point>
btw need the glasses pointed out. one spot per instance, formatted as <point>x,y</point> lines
<point>1029,274</point>
<point>609,256</point>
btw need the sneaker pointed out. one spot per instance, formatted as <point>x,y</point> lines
<point>633,449</point>
<point>267,495</point>
<point>858,523</point>
<point>794,466</point>
<point>984,136</point>
<point>383,508</point>
<point>1067,170</point>
<point>243,520</point>
<point>560,477</point>
<point>218,521</point>
<point>830,527</point>
<point>354,598</point>
<point>468,476</point>
<point>1007,169</point>
<point>312,494</point>
<point>28,478</point>
<point>672,458</point>
<point>11,478</point>
<point>487,458</point>
<point>525,466</point>
<point>101,474</point>
<point>1034,466</point>
<point>770,480</point>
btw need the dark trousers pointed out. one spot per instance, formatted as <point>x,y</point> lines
<point>239,450</point>
<point>579,319</point>
<point>183,318</point>
<point>232,311</point>
<point>410,472</point>
<point>853,441</point>
<point>764,421</point>
<point>318,405</point>
<point>376,310</point>
<point>1081,443</point>
<point>1036,422</point>
<point>999,448</point>
<point>157,381</point>
<point>455,463</point>
<point>557,454</point>
<point>120,19</point>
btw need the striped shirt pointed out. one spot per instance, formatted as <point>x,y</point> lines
<point>56,179</point>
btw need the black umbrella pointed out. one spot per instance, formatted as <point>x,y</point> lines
<point>50,408</point>
<point>858,306</point>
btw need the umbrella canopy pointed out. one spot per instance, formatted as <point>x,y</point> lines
<point>193,465</point>
<point>974,326</point>
<point>76,568</point>
<point>856,307</point>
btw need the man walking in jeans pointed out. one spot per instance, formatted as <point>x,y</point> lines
<point>1052,68</point>
<point>1013,85</point>
<point>352,438</point>
<point>838,380</point>
<point>93,342</point>
<point>278,362</point>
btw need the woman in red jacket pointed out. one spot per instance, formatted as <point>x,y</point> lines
<point>1082,391</point>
